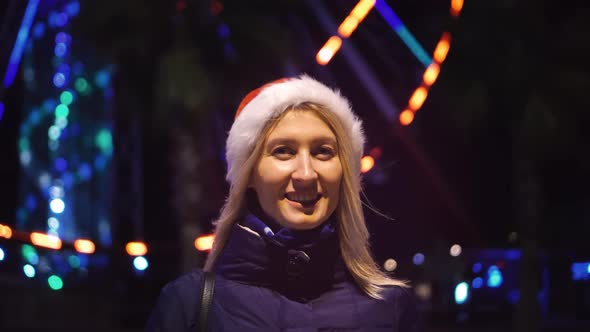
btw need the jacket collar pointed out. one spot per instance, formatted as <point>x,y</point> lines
<point>300,265</point>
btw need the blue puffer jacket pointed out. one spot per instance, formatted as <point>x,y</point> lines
<point>263,285</point>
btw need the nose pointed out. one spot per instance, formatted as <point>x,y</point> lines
<point>305,172</point>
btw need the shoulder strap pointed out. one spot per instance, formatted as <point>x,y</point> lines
<point>206,299</point>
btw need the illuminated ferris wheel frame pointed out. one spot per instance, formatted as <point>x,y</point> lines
<point>357,15</point>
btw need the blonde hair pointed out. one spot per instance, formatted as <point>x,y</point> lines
<point>352,229</point>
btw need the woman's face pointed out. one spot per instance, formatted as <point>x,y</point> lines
<point>297,178</point>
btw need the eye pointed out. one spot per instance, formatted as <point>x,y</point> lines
<point>325,152</point>
<point>282,152</point>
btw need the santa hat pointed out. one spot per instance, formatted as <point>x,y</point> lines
<point>274,98</point>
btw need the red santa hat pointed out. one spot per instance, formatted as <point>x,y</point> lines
<point>274,98</point>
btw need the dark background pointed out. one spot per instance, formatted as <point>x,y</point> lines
<point>499,147</point>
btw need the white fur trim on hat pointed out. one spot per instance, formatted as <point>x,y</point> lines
<point>277,98</point>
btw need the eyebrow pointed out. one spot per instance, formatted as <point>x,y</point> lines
<point>290,141</point>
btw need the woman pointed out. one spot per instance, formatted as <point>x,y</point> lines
<point>291,248</point>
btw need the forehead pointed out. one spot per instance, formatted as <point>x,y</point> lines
<point>299,124</point>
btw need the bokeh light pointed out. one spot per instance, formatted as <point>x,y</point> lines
<point>477,282</point>
<point>455,250</point>
<point>59,79</point>
<point>140,263</point>
<point>418,259</point>
<point>406,117</point>
<point>55,282</point>
<point>57,205</point>
<point>326,53</point>
<point>84,246</point>
<point>495,277</point>
<point>367,163</point>
<point>205,242</point>
<point>136,249</point>
<point>62,111</point>
<point>29,270</point>
<point>45,240</point>
<point>390,265</point>
<point>66,97</point>
<point>2,254</point>
<point>74,261</point>
<point>461,292</point>
<point>53,223</point>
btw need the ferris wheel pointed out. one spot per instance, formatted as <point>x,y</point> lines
<point>431,63</point>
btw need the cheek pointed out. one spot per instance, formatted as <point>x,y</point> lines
<point>271,175</point>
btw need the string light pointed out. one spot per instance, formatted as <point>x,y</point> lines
<point>326,53</point>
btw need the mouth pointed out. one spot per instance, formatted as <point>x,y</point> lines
<point>303,200</point>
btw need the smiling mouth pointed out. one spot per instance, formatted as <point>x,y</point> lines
<point>305,202</point>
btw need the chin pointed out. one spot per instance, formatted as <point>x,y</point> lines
<point>301,221</point>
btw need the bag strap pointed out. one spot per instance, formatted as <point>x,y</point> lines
<point>206,300</point>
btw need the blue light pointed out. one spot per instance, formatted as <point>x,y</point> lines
<point>60,49</point>
<point>61,19</point>
<point>31,202</point>
<point>102,78</point>
<point>477,282</point>
<point>59,79</point>
<point>396,24</point>
<point>461,292</point>
<point>85,172</point>
<point>1,110</point>
<point>100,162</point>
<point>60,164</point>
<point>68,179</point>
<point>2,255</point>
<point>62,37</point>
<point>19,44</point>
<point>57,205</point>
<point>35,117</point>
<point>477,268</point>
<point>53,223</point>
<point>72,8</point>
<point>140,263</point>
<point>495,278</point>
<point>581,271</point>
<point>64,68</point>
<point>29,270</point>
<point>418,259</point>
<point>38,30</point>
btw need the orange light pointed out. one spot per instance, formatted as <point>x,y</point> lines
<point>327,52</point>
<point>406,117</point>
<point>136,248</point>
<point>5,232</point>
<point>205,242</point>
<point>84,246</point>
<point>47,241</point>
<point>442,48</point>
<point>431,74</point>
<point>361,9</point>
<point>418,98</point>
<point>456,6</point>
<point>348,26</point>
<point>367,162</point>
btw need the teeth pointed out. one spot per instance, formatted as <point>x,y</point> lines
<point>298,197</point>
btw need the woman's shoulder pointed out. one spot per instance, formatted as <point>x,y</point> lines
<point>186,282</point>
<point>177,304</point>
<point>405,306</point>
